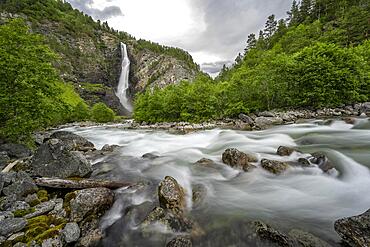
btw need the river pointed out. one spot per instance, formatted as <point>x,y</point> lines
<point>301,198</point>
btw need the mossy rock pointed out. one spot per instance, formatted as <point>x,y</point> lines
<point>23,212</point>
<point>66,203</point>
<point>43,195</point>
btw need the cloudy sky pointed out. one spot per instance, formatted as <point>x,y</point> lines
<point>213,31</point>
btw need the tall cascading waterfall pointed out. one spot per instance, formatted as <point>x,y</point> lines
<point>123,84</point>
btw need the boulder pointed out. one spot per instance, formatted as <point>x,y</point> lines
<point>205,162</point>
<point>15,151</point>
<point>150,156</point>
<point>4,160</point>
<point>7,201</point>
<point>21,184</point>
<point>171,195</point>
<point>90,239</point>
<point>266,114</point>
<point>180,242</point>
<point>71,232</point>
<point>285,151</point>
<point>273,166</point>
<point>304,162</point>
<point>109,148</point>
<point>54,159</point>
<point>267,233</point>
<point>40,209</point>
<point>265,122</point>
<point>236,159</point>
<point>355,231</point>
<point>246,119</point>
<point>306,239</point>
<point>322,161</point>
<point>12,225</point>
<point>90,202</point>
<point>19,206</point>
<point>72,141</point>
<point>199,194</point>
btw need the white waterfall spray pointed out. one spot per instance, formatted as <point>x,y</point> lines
<point>124,80</point>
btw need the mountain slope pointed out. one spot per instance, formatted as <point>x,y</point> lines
<point>90,54</point>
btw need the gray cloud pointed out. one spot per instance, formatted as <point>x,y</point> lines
<point>215,67</point>
<point>104,14</point>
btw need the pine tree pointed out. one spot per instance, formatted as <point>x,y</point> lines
<point>305,10</point>
<point>251,43</point>
<point>238,59</point>
<point>293,14</point>
<point>270,27</point>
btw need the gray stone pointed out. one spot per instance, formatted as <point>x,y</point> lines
<point>322,161</point>
<point>306,239</point>
<point>273,166</point>
<point>266,114</point>
<point>12,225</point>
<point>205,162</point>
<point>267,233</point>
<point>71,232</point>
<point>265,122</point>
<point>19,244</point>
<point>7,201</point>
<point>19,205</point>
<point>180,242</point>
<point>171,195</point>
<point>59,210</point>
<point>285,151</point>
<point>90,239</point>
<point>355,231</point>
<point>30,199</point>
<point>16,151</point>
<point>93,202</point>
<point>6,215</point>
<point>54,159</point>
<point>246,119</point>
<point>72,141</point>
<point>2,182</point>
<point>199,194</point>
<point>109,148</point>
<point>4,160</point>
<point>52,242</point>
<point>237,159</point>
<point>41,209</point>
<point>150,156</point>
<point>22,185</point>
<point>16,236</point>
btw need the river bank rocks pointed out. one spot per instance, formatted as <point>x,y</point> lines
<point>34,215</point>
<point>355,231</point>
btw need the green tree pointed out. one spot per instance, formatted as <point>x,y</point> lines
<point>29,96</point>
<point>101,113</point>
<point>81,112</point>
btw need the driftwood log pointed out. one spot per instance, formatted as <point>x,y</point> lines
<point>57,183</point>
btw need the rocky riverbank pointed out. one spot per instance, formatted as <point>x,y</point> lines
<point>46,198</point>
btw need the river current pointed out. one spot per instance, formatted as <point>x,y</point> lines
<point>300,198</point>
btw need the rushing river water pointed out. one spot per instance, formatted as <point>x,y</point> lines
<point>301,198</point>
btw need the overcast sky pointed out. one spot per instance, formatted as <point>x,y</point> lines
<point>213,31</point>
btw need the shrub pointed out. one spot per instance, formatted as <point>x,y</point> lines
<point>101,113</point>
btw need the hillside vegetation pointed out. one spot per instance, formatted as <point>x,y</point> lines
<point>318,57</point>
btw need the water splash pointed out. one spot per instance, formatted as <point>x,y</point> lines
<point>123,85</point>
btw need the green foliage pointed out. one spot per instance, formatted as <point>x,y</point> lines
<point>81,112</point>
<point>101,113</point>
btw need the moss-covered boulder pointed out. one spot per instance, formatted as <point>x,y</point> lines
<point>171,195</point>
<point>237,159</point>
<point>274,166</point>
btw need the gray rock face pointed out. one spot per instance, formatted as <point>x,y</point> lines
<point>265,122</point>
<point>71,232</point>
<point>72,141</point>
<point>274,166</point>
<point>180,242</point>
<point>16,151</point>
<point>54,159</point>
<point>171,195</point>
<point>355,231</point>
<point>285,151</point>
<point>21,184</point>
<point>12,225</point>
<point>93,202</point>
<point>266,232</point>
<point>306,239</point>
<point>236,159</point>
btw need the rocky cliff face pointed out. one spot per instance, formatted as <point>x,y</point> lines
<point>91,59</point>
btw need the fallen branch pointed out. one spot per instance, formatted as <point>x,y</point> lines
<point>58,183</point>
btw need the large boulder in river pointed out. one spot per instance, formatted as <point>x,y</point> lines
<point>269,234</point>
<point>306,239</point>
<point>355,231</point>
<point>236,159</point>
<point>55,159</point>
<point>274,166</point>
<point>322,161</point>
<point>171,195</point>
<point>265,122</point>
<point>285,151</point>
<point>72,141</point>
<point>180,241</point>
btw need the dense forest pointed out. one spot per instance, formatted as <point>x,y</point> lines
<point>318,57</point>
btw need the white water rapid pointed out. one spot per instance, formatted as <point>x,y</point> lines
<point>123,85</point>
<point>302,198</point>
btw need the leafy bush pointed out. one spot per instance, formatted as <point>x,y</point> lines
<point>101,113</point>
<point>81,112</point>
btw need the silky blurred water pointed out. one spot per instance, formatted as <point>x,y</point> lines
<point>303,198</point>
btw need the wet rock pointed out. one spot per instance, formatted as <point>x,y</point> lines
<point>322,161</point>
<point>205,162</point>
<point>265,122</point>
<point>4,160</point>
<point>21,185</point>
<point>171,195</point>
<point>236,159</point>
<point>180,242</point>
<point>273,166</point>
<point>54,159</point>
<point>72,141</point>
<point>306,239</point>
<point>267,233</point>
<point>355,231</point>
<point>40,209</point>
<point>16,151</point>
<point>150,156</point>
<point>246,119</point>
<point>199,194</point>
<point>91,239</point>
<point>12,225</point>
<point>285,151</point>
<point>94,202</point>
<point>304,162</point>
<point>109,148</point>
<point>71,232</point>
<point>349,120</point>
<point>58,210</point>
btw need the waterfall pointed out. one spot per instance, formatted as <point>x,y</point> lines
<point>123,80</point>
